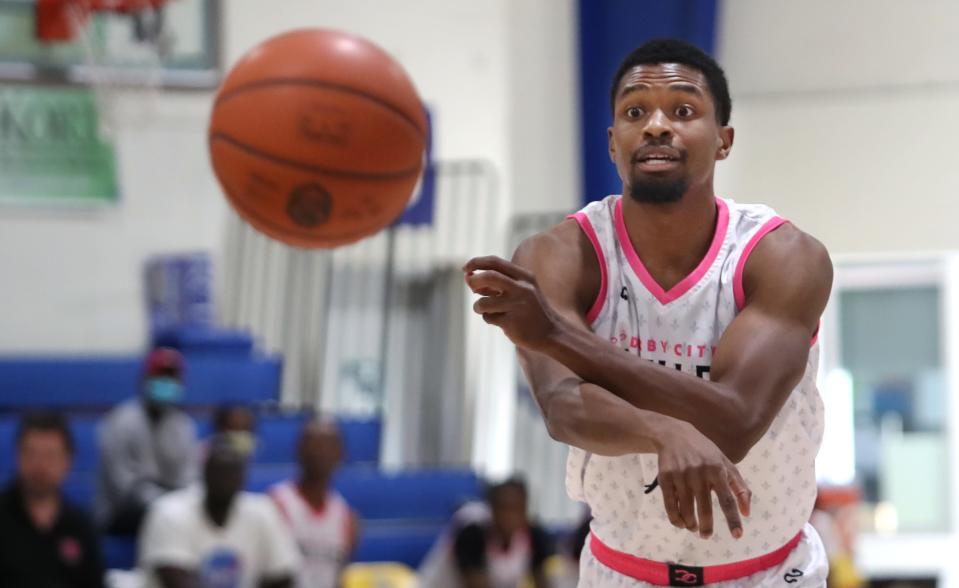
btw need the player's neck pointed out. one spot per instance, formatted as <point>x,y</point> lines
<point>671,239</point>
<point>314,490</point>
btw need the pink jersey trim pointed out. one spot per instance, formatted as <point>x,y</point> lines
<point>274,494</point>
<point>738,293</point>
<point>662,574</point>
<point>722,223</point>
<point>587,226</point>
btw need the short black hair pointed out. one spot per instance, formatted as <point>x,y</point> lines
<point>222,415</point>
<point>47,421</point>
<point>515,483</point>
<point>683,53</point>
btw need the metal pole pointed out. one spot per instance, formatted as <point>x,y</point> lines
<point>387,302</point>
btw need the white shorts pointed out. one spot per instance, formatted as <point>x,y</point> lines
<point>806,567</point>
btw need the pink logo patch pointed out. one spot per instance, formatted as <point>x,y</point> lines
<point>70,550</point>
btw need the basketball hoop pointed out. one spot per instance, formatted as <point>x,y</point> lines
<point>63,20</point>
<point>106,68</point>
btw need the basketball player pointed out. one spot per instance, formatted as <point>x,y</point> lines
<point>324,526</point>
<point>668,334</point>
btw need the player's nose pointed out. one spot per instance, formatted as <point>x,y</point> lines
<point>658,125</point>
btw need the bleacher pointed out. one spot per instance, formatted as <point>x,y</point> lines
<point>402,512</point>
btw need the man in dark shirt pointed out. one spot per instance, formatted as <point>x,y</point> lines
<point>44,541</point>
<point>506,549</point>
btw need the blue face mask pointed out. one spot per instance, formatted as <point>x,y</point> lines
<point>164,390</point>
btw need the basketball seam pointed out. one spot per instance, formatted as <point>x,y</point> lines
<point>312,168</point>
<point>320,83</point>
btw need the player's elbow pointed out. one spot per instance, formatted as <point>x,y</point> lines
<point>747,431</point>
<point>563,419</point>
<point>741,427</point>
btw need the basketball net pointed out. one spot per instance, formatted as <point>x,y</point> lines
<point>125,83</point>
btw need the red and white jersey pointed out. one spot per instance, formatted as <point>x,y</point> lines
<point>323,536</point>
<point>680,329</point>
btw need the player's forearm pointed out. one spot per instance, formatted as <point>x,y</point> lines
<point>711,407</point>
<point>596,421</point>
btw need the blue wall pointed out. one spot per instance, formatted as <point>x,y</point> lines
<point>608,30</point>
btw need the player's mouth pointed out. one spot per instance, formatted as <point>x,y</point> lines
<point>657,159</point>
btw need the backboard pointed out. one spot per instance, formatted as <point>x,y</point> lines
<point>185,55</point>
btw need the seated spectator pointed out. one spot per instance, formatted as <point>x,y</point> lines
<point>147,446</point>
<point>238,422</point>
<point>322,522</point>
<point>44,540</point>
<point>216,534</point>
<point>491,546</point>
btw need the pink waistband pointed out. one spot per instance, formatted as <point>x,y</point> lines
<point>663,574</point>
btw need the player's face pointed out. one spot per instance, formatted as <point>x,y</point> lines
<point>665,138</point>
<point>509,510</point>
<point>42,462</point>
<point>320,451</point>
<point>224,475</point>
<point>238,420</point>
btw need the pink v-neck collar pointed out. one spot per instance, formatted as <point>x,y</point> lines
<point>664,297</point>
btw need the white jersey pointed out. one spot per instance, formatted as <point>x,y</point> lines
<point>252,545</point>
<point>323,536</point>
<point>505,568</point>
<point>680,329</point>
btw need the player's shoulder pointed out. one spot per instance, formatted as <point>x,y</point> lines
<point>790,245</point>
<point>789,265</point>
<point>563,237</point>
<point>177,505</point>
<point>563,260</point>
<point>280,490</point>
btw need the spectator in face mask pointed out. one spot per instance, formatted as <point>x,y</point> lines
<point>147,446</point>
<point>237,422</point>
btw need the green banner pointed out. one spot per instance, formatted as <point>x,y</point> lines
<point>51,148</point>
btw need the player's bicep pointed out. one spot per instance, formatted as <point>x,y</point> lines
<point>764,352</point>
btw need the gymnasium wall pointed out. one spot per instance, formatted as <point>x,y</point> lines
<point>74,276</point>
<point>71,279</point>
<point>845,117</point>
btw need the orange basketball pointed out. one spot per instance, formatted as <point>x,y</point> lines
<point>317,138</point>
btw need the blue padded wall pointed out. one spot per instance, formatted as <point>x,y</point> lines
<point>608,31</point>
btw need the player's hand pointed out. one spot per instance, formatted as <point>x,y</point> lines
<point>691,469</point>
<point>511,300</point>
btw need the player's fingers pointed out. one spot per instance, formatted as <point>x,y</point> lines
<point>727,502</point>
<point>494,318</point>
<point>490,281</point>
<point>492,262</point>
<point>687,510</point>
<point>704,509</point>
<point>669,501</point>
<point>740,490</point>
<point>492,304</point>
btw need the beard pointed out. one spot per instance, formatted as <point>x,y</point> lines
<point>657,190</point>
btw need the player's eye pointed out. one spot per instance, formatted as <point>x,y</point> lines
<point>634,112</point>
<point>684,111</point>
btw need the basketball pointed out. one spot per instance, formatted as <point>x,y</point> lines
<point>317,138</point>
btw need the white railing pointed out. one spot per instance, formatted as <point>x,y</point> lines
<point>379,326</point>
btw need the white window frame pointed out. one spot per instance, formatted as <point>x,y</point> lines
<point>908,554</point>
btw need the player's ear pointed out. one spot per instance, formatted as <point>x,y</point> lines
<point>611,146</point>
<point>726,136</point>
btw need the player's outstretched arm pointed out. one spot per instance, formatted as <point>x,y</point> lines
<point>760,358</point>
<point>587,416</point>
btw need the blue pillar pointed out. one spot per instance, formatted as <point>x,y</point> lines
<point>608,30</point>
